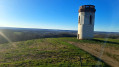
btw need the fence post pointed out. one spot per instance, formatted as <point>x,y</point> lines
<point>81,61</point>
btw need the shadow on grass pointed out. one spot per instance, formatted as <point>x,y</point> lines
<point>99,60</point>
<point>104,41</point>
<point>98,64</point>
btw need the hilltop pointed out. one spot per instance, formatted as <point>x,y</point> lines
<point>50,52</point>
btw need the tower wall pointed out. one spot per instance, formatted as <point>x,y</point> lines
<point>86,24</point>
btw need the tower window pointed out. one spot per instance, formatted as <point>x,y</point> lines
<point>79,19</point>
<point>90,19</point>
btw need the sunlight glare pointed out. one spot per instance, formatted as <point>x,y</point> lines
<point>2,34</point>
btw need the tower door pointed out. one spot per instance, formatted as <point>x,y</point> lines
<point>78,36</point>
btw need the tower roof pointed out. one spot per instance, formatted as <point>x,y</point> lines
<point>87,8</point>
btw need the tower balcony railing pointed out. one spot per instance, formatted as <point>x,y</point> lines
<point>87,8</point>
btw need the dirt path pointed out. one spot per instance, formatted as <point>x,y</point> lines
<point>110,55</point>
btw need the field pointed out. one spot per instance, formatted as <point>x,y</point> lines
<point>49,52</point>
<point>106,49</point>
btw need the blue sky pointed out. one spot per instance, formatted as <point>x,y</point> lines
<point>57,14</point>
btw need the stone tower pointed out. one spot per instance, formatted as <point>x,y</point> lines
<point>86,20</point>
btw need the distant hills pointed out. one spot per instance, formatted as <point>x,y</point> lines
<point>54,30</point>
<point>23,34</point>
<point>13,28</point>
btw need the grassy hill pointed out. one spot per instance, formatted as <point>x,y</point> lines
<point>50,52</point>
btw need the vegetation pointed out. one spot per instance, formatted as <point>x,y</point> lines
<point>53,48</point>
<point>23,34</point>
<point>107,48</point>
<point>107,35</point>
<point>50,52</point>
<point>100,41</point>
<point>29,34</point>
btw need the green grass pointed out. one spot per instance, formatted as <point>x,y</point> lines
<point>102,41</point>
<point>46,52</point>
<point>108,39</point>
